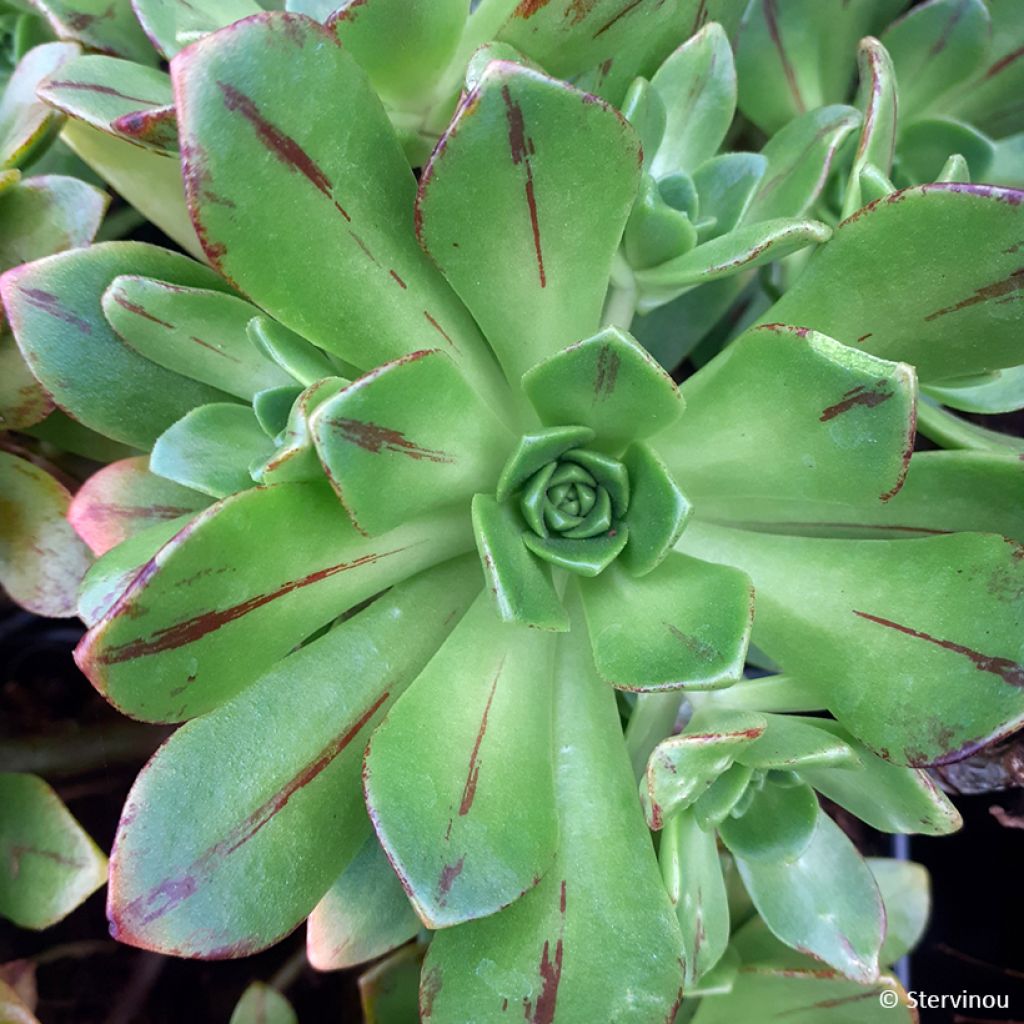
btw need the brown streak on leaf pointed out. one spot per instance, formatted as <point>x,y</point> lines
<point>617,17</point>
<point>1013,283</point>
<point>870,397</point>
<point>522,149</point>
<point>473,774</point>
<point>104,90</point>
<point>448,875</point>
<point>608,363</point>
<point>375,439</point>
<point>47,302</point>
<point>771,18</point>
<point>140,311</point>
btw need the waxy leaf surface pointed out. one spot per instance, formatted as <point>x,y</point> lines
<point>172,24</point>
<point>108,26</point>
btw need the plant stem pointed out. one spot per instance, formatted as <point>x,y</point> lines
<point>654,717</point>
<point>620,305</point>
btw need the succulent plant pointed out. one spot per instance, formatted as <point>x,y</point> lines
<point>435,561</point>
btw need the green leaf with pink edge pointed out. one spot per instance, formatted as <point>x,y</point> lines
<point>694,633</point>
<point>681,768</point>
<point>697,85</point>
<point>390,455</point>
<point>261,1004</point>
<point>941,614</point>
<point>878,101</point>
<point>172,24</point>
<point>484,830</point>
<point>365,290</point>
<point>201,616</point>
<point>829,997</point>
<point>935,47</point>
<point>363,915</point>
<point>45,215</point>
<point>791,743</point>
<point>211,449</point>
<point>118,97</point>
<point>747,247</point>
<point>26,123</point>
<point>42,560</point>
<point>923,304</point>
<point>825,902</point>
<point>520,583</point>
<point>54,308</point>
<point>505,177</point>
<point>816,417</point>
<point>401,46</point>
<point>692,872</point>
<point>551,969</point>
<point>23,401</point>
<point>186,854</point>
<point>49,865</point>
<point>124,498</point>
<point>389,991</point>
<point>195,332</point>
<point>608,383</point>
<point>107,26</point>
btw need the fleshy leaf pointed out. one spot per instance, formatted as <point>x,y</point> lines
<point>727,185</point>
<point>510,160</point>
<point>42,560</point>
<point>48,865</point>
<point>212,634</point>
<point>587,556</point>
<point>658,510</point>
<point>364,914</point>
<point>825,902</point>
<point>551,968</point>
<point>533,451</point>
<point>817,419</point>
<point>364,290</point>
<point>186,853</point>
<point>777,825</point>
<point>693,877</point>
<point>197,333</point>
<point>698,87</point>
<point>124,498</point>
<point>791,743</point>
<point>55,313</point>
<point>656,231</point>
<point>390,455</point>
<point>23,400</point>
<point>1003,392</point>
<point>389,991</point>
<point>45,215</point>
<point>26,123</point>
<point>906,893</point>
<point>108,26</point>
<point>211,449</point>
<point>716,803</point>
<point>941,614</point>
<point>925,146</point>
<point>485,830</point>
<point>118,97</point>
<point>172,24</point>
<point>923,304</point>
<point>261,1004</point>
<point>608,383</point>
<point>693,634</point>
<point>296,356</point>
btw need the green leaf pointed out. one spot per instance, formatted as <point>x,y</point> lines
<point>389,991</point>
<point>520,584</point>
<point>197,333</point>
<point>1004,392</point>
<point>792,743</point>
<point>776,826</point>
<point>118,97</point>
<point>506,177</point>
<point>925,146</point>
<point>656,231</point>
<point>26,123</point>
<point>364,290</point>
<point>694,631</point>
<point>55,312</point>
<point>821,996</point>
<point>45,215</point>
<point>800,157</point>
<point>534,451</point>
<point>817,419</point>
<point>744,249</point>
<point>261,1004</point>
<point>923,304</point>
<point>42,560</point>
<point>658,510</point>
<point>579,946</point>
<point>290,351</point>
<point>949,431</point>
<point>587,556</point>
<point>726,185</point>
<point>697,85</point>
<point>716,803</point>
<point>942,615</point>
<point>364,914</point>
<point>215,632</point>
<point>48,865</point>
<point>211,449</point>
<point>906,893</point>
<point>693,877</point>
<point>644,110</point>
<point>608,383</point>
<point>484,831</point>
<point>23,401</point>
<point>172,24</point>
<point>887,796</point>
<point>186,853</point>
<point>934,48</point>
<point>401,46</point>
<point>390,455</point>
<point>108,26</point>
<point>124,498</point>
<point>825,902</point>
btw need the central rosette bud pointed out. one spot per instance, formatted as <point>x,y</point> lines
<point>578,496</point>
